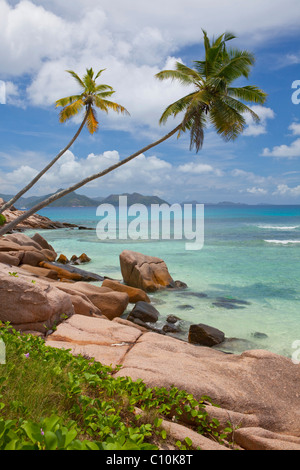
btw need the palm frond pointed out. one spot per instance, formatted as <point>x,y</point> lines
<point>197,132</point>
<point>106,104</point>
<point>228,122</point>
<point>182,77</point>
<point>192,73</point>
<point>71,110</point>
<point>237,65</point>
<point>229,36</point>
<point>67,100</point>
<point>77,78</point>
<point>206,40</point>
<point>176,108</point>
<point>103,87</point>
<point>99,73</point>
<point>248,93</point>
<point>92,122</point>
<point>240,107</point>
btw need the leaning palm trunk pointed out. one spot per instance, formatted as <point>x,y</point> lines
<point>8,204</point>
<point>11,225</point>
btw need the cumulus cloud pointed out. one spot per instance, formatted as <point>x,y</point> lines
<point>71,169</point>
<point>198,168</point>
<point>130,39</point>
<point>285,190</point>
<point>255,129</point>
<point>284,151</point>
<point>295,128</point>
<point>257,191</point>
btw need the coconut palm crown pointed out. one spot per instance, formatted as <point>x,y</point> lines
<point>91,96</point>
<point>214,99</point>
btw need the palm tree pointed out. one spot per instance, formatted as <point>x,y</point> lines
<point>91,95</point>
<point>214,100</point>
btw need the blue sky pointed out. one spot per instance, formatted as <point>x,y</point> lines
<point>134,40</point>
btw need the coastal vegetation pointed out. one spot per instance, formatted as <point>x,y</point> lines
<point>214,100</point>
<point>52,400</point>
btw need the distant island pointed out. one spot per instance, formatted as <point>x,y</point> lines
<point>79,200</point>
<point>70,200</point>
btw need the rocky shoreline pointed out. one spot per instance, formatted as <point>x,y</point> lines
<point>41,293</point>
<point>36,221</point>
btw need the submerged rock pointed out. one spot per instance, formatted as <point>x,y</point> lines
<point>62,259</point>
<point>82,259</point>
<point>171,328</point>
<point>230,303</point>
<point>227,305</point>
<point>145,312</point>
<point>205,335</point>
<point>259,335</point>
<point>172,319</point>
<point>185,307</point>
<point>200,295</point>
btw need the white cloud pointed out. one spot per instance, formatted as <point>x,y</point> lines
<point>199,169</point>
<point>285,190</point>
<point>295,128</point>
<point>17,178</point>
<point>248,176</point>
<point>70,169</point>
<point>284,151</point>
<point>257,191</point>
<point>260,128</point>
<point>132,40</point>
<point>133,16</point>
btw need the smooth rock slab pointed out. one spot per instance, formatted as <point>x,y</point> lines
<point>257,382</point>
<point>110,303</point>
<point>258,388</point>
<point>107,341</point>
<point>255,438</point>
<point>134,294</point>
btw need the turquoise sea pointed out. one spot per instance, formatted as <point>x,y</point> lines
<point>249,267</point>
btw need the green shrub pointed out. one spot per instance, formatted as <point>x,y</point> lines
<point>2,219</point>
<point>52,400</point>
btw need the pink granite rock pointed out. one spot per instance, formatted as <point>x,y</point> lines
<point>31,303</point>
<point>144,272</point>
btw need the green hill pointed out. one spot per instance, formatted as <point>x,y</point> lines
<point>79,200</point>
<point>134,198</point>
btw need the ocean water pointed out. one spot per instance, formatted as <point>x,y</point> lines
<point>244,281</point>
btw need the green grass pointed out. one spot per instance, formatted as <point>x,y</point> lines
<point>50,399</point>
